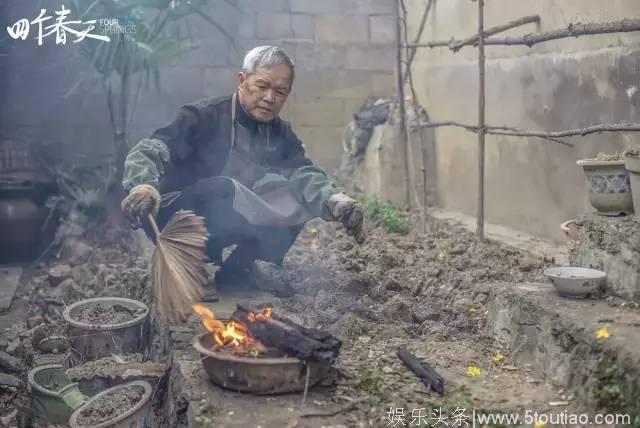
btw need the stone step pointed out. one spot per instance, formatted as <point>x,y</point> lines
<point>611,244</point>
<point>557,337</point>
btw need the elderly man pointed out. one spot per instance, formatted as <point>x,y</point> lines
<point>233,161</point>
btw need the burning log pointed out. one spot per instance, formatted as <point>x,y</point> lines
<point>422,370</point>
<point>285,335</point>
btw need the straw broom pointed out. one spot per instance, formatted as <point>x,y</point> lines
<point>178,269</point>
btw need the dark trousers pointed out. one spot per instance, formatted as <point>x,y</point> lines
<point>212,199</point>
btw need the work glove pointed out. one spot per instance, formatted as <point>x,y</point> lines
<point>349,212</point>
<point>141,201</point>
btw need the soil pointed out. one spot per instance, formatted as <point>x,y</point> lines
<point>110,406</point>
<point>104,315</point>
<point>607,157</point>
<point>426,292</point>
<point>437,283</point>
<point>101,367</point>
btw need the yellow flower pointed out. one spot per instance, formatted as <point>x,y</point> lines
<point>472,309</point>
<point>312,230</point>
<point>538,425</point>
<point>498,357</point>
<point>486,312</point>
<point>473,371</point>
<point>602,333</point>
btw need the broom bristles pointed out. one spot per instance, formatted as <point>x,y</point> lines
<point>178,266</point>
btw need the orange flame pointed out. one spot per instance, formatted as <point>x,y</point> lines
<point>231,333</point>
<point>266,314</point>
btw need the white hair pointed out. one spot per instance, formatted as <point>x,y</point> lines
<point>265,56</point>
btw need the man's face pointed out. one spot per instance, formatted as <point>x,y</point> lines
<point>264,92</point>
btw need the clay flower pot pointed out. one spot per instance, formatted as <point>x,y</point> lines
<point>608,185</point>
<point>632,164</point>
<point>89,341</point>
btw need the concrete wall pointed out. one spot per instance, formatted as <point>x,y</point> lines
<point>531,184</point>
<point>342,50</point>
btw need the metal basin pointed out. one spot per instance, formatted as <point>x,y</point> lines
<point>576,281</point>
<point>256,375</point>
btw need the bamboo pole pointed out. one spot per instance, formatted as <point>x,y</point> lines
<point>481,120</point>
<point>412,51</point>
<point>400,91</point>
<point>411,158</point>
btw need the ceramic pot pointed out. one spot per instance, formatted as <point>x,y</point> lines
<point>609,186</point>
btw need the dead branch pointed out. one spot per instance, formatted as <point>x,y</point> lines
<point>573,30</point>
<point>412,51</point>
<point>494,130</point>
<point>436,44</point>
<point>482,130</point>
<point>400,94</point>
<point>410,162</point>
<point>552,136</point>
<point>473,40</point>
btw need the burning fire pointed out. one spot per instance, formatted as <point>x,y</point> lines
<point>232,333</point>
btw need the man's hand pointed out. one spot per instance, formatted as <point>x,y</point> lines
<point>141,201</point>
<point>349,212</point>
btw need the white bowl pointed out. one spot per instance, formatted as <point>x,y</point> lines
<point>576,281</point>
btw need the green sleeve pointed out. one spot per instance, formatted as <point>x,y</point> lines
<point>312,188</point>
<point>145,163</point>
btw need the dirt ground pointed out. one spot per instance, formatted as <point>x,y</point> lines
<point>424,292</point>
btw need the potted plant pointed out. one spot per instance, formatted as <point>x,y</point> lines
<point>632,164</point>
<point>608,184</point>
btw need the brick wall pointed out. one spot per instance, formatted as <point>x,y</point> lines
<point>343,51</point>
<point>342,48</point>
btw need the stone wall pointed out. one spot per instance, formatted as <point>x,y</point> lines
<point>531,185</point>
<point>343,51</point>
<point>612,245</point>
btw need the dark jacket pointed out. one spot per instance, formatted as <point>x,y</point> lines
<point>195,146</point>
<point>199,141</point>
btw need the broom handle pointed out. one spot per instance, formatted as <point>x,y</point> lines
<point>154,225</point>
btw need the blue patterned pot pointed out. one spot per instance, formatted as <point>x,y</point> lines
<point>608,185</point>
<point>632,164</point>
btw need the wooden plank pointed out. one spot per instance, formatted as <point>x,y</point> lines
<point>9,280</point>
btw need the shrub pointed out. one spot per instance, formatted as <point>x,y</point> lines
<point>387,214</point>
